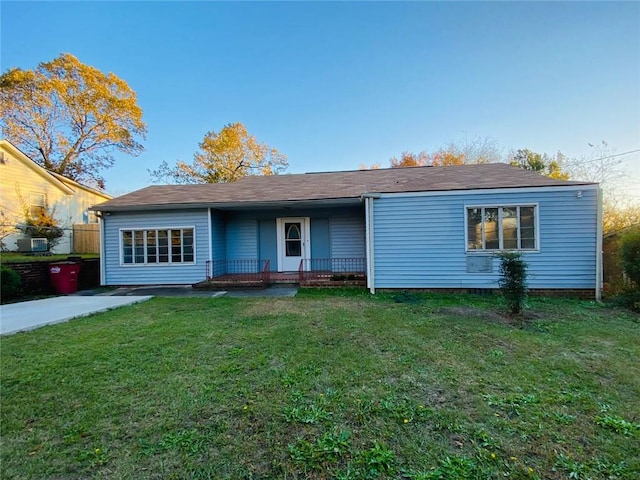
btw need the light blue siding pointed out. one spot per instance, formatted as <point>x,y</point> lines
<point>347,237</point>
<point>419,241</point>
<point>268,243</point>
<point>218,236</point>
<point>320,240</point>
<point>168,274</point>
<point>242,239</point>
<point>335,233</point>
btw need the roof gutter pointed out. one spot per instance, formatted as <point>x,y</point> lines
<point>229,205</point>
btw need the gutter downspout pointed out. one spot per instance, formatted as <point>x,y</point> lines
<point>210,235</point>
<point>599,233</point>
<point>103,273</point>
<point>368,199</point>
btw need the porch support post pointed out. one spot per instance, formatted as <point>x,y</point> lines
<point>210,235</point>
<point>368,209</point>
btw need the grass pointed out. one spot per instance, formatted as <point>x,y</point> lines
<point>13,257</point>
<point>335,384</point>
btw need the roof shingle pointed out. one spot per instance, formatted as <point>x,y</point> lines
<point>333,185</point>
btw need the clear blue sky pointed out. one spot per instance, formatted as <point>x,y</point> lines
<point>333,85</point>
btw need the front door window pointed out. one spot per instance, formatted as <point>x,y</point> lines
<point>293,239</point>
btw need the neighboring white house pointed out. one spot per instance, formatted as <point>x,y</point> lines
<point>26,186</point>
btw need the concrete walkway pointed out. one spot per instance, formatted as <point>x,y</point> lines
<point>16,317</point>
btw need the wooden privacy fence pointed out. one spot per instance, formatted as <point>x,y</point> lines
<point>86,238</point>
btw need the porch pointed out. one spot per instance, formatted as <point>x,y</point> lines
<point>314,272</point>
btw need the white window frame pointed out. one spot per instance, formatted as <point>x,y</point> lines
<point>500,207</point>
<point>89,216</point>
<point>41,202</point>
<point>156,264</point>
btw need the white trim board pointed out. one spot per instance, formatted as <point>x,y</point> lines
<point>484,191</point>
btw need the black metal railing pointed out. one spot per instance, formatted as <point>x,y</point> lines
<point>338,268</point>
<point>309,270</point>
<point>238,270</point>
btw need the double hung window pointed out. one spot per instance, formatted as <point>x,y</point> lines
<point>502,228</point>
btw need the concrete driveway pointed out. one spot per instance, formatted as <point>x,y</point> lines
<point>17,317</point>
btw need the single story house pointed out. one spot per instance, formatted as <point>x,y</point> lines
<point>406,228</point>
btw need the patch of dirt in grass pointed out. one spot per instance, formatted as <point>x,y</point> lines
<point>472,312</point>
<point>437,397</point>
<point>303,308</point>
<point>527,316</point>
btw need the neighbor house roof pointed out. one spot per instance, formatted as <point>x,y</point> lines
<point>65,184</point>
<point>74,184</point>
<point>258,190</point>
<point>37,169</point>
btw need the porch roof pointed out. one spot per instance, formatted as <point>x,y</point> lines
<point>329,187</point>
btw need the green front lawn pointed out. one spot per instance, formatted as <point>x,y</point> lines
<point>325,385</point>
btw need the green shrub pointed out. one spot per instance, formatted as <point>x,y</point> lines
<point>10,282</point>
<point>513,280</point>
<point>629,249</point>
<point>630,255</point>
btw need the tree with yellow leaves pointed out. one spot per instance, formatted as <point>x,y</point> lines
<point>409,159</point>
<point>224,157</point>
<point>477,150</point>
<point>448,157</point>
<point>70,117</point>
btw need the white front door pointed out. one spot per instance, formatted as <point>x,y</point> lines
<point>293,243</point>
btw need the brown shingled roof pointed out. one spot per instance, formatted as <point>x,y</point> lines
<point>332,185</point>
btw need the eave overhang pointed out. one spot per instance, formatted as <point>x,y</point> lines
<point>236,206</point>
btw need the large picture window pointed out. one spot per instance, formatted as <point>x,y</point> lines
<point>157,246</point>
<point>501,228</point>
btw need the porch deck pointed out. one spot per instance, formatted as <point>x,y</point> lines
<point>330,272</point>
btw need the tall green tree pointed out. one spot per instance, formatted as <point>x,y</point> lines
<point>70,117</point>
<point>224,157</point>
<point>540,163</point>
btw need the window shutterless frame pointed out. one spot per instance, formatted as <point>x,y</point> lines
<point>157,246</point>
<point>37,204</point>
<point>502,227</point>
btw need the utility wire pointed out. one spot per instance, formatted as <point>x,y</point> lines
<point>611,156</point>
